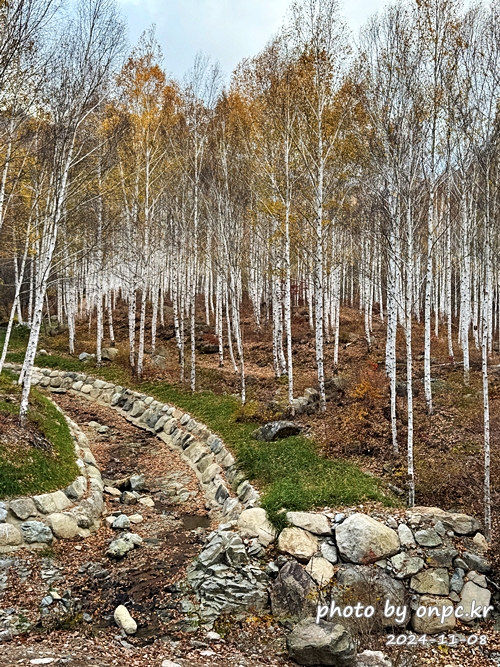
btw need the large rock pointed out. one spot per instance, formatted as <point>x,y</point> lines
<point>120,547</point>
<point>293,593</point>
<point>314,523</point>
<point>276,430</point>
<point>370,585</point>
<point>461,524</point>
<point>435,581</point>
<point>320,570</point>
<point>405,565</point>
<point>124,620</point>
<point>322,643</point>
<point>253,522</point>
<point>434,622</point>
<point>428,538</point>
<point>23,508</point>
<point>109,353</point>
<point>48,503</point>
<point>10,536</point>
<point>36,531</point>
<point>477,563</point>
<point>361,539</point>
<point>298,543</point>
<point>63,526</point>
<point>474,598</point>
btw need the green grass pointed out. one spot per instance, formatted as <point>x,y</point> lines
<point>291,472</point>
<point>30,471</point>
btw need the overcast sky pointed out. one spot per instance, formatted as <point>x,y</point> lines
<point>226,30</point>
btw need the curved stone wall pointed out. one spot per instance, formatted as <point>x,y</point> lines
<point>224,486</point>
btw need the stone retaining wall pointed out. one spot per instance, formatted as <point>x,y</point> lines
<point>73,512</point>
<point>224,486</point>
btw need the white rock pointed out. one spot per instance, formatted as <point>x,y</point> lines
<point>169,663</point>
<point>124,620</point>
<point>111,491</point>
<point>135,518</point>
<point>41,661</point>
<point>254,523</point>
<point>406,536</point>
<point>298,543</point>
<point>10,535</point>
<point>320,570</point>
<point>313,523</point>
<point>63,525</point>
<point>147,501</point>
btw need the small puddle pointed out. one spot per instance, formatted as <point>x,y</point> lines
<point>193,521</point>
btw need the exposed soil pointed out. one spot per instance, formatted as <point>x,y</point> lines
<point>146,580</point>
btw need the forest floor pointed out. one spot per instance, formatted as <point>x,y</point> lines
<point>356,425</point>
<point>146,579</point>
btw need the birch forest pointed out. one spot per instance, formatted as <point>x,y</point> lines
<point>329,175</point>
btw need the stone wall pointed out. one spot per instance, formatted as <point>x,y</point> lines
<point>224,486</point>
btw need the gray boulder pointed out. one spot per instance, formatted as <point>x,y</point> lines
<point>22,508</point>
<point>322,643</point>
<point>435,581</point>
<point>428,538</point>
<point>476,563</point>
<point>405,565</point>
<point>293,593</point>
<point>276,430</point>
<point>36,531</point>
<point>109,353</point>
<point>361,539</point>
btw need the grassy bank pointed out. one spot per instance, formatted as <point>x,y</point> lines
<point>44,459</point>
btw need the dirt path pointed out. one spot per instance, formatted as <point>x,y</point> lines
<point>146,581</point>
